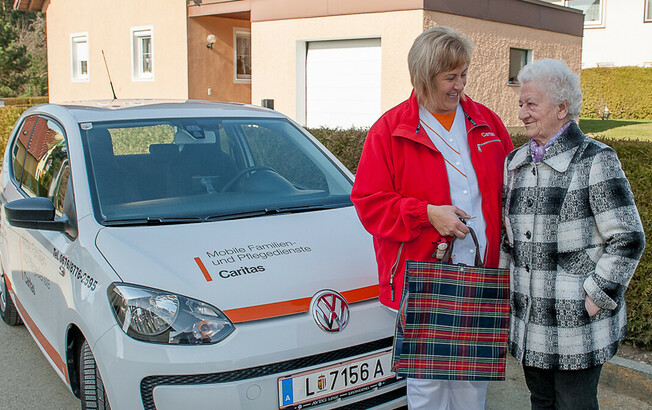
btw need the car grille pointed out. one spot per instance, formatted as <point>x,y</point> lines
<point>148,384</point>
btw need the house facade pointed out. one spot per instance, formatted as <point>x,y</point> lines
<point>334,63</point>
<point>616,32</point>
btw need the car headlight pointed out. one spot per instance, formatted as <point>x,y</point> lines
<point>157,316</point>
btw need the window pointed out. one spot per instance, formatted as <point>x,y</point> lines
<point>593,10</point>
<point>142,53</point>
<point>79,53</point>
<point>242,56</point>
<point>518,58</point>
<point>19,148</point>
<point>648,11</point>
<point>47,154</point>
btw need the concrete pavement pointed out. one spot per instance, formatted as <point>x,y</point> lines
<point>27,381</point>
<point>624,385</point>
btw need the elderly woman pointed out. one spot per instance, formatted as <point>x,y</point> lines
<point>426,163</point>
<point>573,240</point>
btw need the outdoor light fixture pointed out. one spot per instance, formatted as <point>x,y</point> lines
<point>211,41</point>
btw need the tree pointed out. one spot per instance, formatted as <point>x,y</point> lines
<point>23,58</point>
<point>14,61</point>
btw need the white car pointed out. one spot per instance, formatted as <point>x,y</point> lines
<point>191,254</point>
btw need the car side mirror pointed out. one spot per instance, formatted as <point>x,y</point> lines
<point>37,213</point>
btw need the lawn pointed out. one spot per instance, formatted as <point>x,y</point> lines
<point>618,129</point>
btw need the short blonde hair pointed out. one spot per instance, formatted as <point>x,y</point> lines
<point>436,50</point>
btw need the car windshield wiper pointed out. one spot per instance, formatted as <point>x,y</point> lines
<point>151,221</point>
<point>273,211</point>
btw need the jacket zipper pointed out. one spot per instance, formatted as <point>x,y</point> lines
<point>394,269</point>
<point>486,142</point>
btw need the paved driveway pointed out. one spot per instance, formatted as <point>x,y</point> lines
<point>27,381</point>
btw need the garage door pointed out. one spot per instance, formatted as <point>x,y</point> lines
<point>343,83</point>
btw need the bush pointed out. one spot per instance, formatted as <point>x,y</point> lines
<point>8,117</point>
<point>346,145</point>
<point>625,90</point>
<point>636,159</point>
<point>27,101</point>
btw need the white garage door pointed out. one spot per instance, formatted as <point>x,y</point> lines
<point>343,83</point>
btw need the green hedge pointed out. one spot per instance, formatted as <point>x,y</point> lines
<point>28,101</point>
<point>635,156</point>
<point>636,159</point>
<point>625,90</point>
<point>8,117</point>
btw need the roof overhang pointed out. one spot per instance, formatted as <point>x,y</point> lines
<point>536,14</point>
<point>31,5</point>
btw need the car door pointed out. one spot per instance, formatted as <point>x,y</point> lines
<point>11,238</point>
<point>44,282</point>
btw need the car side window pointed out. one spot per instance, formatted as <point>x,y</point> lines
<point>19,148</point>
<point>47,154</point>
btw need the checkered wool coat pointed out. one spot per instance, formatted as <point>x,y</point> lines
<point>572,229</point>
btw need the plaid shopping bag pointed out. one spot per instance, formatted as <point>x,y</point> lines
<point>452,322</point>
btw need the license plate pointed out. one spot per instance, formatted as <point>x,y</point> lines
<point>331,383</point>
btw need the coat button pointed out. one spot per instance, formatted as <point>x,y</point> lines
<point>530,202</point>
<point>528,235</point>
<point>527,268</point>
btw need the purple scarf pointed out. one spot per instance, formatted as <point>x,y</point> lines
<point>538,151</point>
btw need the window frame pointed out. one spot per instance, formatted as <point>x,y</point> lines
<point>237,33</point>
<point>601,23</point>
<point>528,60</point>
<point>647,12</point>
<point>137,66</point>
<point>75,71</point>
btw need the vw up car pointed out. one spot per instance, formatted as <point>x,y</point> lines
<point>169,255</point>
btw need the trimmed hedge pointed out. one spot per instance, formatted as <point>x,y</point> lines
<point>625,90</point>
<point>636,159</point>
<point>27,101</point>
<point>8,117</point>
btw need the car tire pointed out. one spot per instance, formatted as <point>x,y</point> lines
<point>93,395</point>
<point>8,310</point>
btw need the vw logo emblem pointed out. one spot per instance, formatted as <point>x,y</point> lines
<point>330,311</point>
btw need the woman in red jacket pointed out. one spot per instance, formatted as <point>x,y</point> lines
<point>428,163</point>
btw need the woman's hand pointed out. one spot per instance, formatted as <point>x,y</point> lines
<point>446,220</point>
<point>590,306</point>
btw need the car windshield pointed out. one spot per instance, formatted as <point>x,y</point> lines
<point>199,169</point>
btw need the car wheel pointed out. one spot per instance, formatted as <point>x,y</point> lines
<point>93,395</point>
<point>7,308</point>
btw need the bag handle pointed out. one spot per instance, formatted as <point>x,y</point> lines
<point>478,259</point>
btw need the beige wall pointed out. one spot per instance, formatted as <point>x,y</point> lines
<point>487,79</point>
<point>277,54</point>
<point>108,25</point>
<point>213,68</point>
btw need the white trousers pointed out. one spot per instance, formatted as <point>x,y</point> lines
<point>427,394</point>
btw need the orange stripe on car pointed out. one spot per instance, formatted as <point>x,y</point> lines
<point>291,307</point>
<point>40,338</point>
<point>203,269</point>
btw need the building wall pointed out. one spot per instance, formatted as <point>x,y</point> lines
<point>623,41</point>
<point>211,70</point>
<point>278,54</point>
<point>284,41</point>
<point>489,69</point>
<point>108,25</point>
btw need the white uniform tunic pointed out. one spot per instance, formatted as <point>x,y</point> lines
<point>462,179</point>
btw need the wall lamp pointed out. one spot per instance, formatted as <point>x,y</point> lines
<point>211,40</point>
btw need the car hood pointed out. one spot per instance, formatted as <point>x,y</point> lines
<point>249,268</point>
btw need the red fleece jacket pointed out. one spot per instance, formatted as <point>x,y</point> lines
<point>401,172</point>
